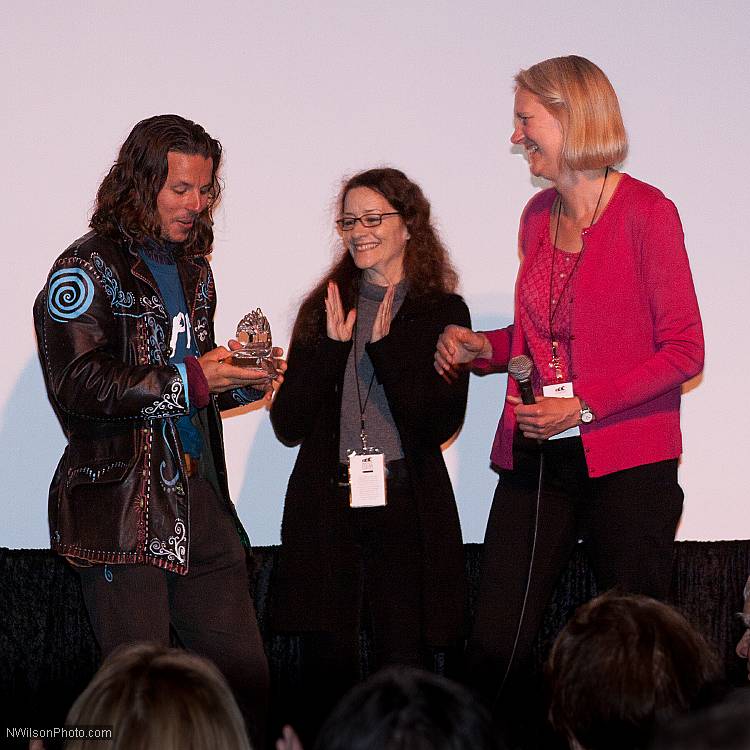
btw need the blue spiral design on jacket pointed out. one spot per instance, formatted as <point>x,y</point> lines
<point>70,294</point>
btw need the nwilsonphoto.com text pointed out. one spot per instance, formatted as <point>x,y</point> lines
<point>59,733</point>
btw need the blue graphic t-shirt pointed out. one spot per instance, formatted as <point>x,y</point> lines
<point>160,260</point>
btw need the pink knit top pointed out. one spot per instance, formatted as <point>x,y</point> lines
<point>635,328</point>
<point>536,301</point>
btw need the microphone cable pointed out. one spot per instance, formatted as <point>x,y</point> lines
<point>519,368</point>
<point>528,578</point>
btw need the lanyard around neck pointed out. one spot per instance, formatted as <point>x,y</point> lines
<point>555,361</point>
<point>362,406</point>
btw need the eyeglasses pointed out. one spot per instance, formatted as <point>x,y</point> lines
<point>366,220</point>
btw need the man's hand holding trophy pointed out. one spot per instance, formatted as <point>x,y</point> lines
<point>252,362</point>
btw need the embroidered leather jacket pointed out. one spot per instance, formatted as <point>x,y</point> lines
<point>119,493</point>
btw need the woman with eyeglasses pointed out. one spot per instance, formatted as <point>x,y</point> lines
<point>370,533</point>
<point>607,314</point>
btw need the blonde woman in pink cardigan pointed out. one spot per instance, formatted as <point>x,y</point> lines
<point>606,312</point>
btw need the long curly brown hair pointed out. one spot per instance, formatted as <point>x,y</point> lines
<point>126,199</point>
<point>427,265</point>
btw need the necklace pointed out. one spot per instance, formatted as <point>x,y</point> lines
<point>555,362</point>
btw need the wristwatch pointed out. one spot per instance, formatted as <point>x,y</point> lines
<point>586,416</point>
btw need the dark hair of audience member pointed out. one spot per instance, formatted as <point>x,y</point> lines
<point>725,726</point>
<point>402,708</point>
<point>622,666</point>
<point>156,697</point>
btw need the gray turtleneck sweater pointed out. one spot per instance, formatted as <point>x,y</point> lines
<point>379,425</point>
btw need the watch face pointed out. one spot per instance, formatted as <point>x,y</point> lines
<point>586,416</point>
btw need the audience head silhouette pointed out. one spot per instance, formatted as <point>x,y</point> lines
<point>622,666</point>
<point>402,708</point>
<point>155,697</point>
<point>725,726</point>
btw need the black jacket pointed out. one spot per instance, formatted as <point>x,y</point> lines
<point>118,494</point>
<point>427,412</point>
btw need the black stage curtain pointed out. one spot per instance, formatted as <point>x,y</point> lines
<point>48,653</point>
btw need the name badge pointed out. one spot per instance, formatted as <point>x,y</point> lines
<point>367,479</point>
<point>561,390</point>
<point>558,390</point>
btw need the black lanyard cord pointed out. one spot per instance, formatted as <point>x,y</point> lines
<point>362,406</point>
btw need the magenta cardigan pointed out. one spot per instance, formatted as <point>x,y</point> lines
<point>636,329</point>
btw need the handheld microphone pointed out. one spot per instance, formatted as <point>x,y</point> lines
<point>519,368</point>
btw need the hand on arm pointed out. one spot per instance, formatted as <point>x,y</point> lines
<point>339,326</point>
<point>547,417</point>
<point>421,401</point>
<point>458,346</point>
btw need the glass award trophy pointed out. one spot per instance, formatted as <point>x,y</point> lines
<point>254,333</point>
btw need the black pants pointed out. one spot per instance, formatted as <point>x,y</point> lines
<point>382,582</point>
<point>627,519</point>
<point>210,608</point>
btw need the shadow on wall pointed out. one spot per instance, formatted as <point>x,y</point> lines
<point>260,500</point>
<point>31,442</point>
<point>473,479</point>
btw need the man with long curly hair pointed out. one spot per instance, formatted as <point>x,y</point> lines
<point>139,503</point>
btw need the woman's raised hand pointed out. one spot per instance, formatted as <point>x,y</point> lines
<point>339,326</point>
<point>458,346</point>
<point>381,326</point>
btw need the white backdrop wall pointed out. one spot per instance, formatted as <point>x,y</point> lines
<point>301,94</point>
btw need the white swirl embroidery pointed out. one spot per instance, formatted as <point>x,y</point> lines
<point>174,548</point>
<point>153,308</point>
<point>169,484</point>
<point>205,293</point>
<point>117,297</point>
<point>169,402</point>
<point>200,329</point>
<point>156,341</point>
<point>154,304</point>
<point>243,396</point>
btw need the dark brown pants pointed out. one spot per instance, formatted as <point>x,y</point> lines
<point>210,608</point>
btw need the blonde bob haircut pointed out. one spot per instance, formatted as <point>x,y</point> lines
<point>157,697</point>
<point>578,94</point>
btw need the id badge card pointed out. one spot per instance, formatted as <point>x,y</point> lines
<point>561,390</point>
<point>367,479</point>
